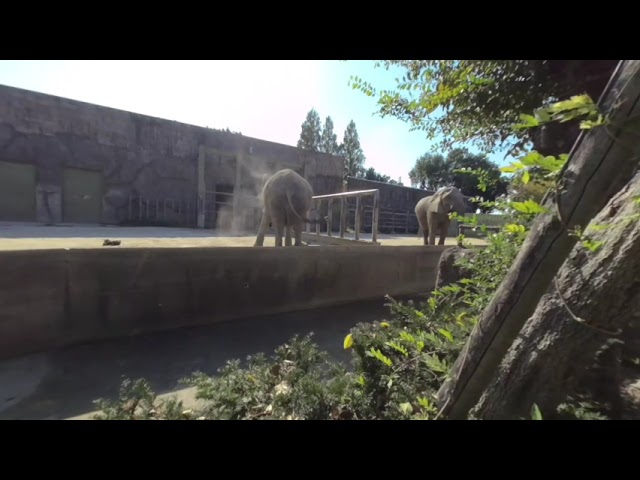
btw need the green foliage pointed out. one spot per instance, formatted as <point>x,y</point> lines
<point>536,414</point>
<point>371,174</point>
<point>473,174</point>
<point>582,410</point>
<point>310,136</point>
<point>328,139</point>
<point>576,107</point>
<point>352,152</point>
<point>398,363</point>
<point>137,401</point>
<point>477,101</point>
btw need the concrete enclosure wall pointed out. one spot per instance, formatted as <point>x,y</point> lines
<point>56,298</point>
<point>172,170</point>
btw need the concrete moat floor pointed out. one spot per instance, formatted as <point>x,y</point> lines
<point>63,384</point>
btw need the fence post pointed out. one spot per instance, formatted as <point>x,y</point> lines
<point>318,204</point>
<point>343,216</point>
<point>376,216</point>
<point>330,216</point>
<point>358,219</point>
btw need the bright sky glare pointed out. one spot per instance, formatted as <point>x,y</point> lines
<point>266,99</point>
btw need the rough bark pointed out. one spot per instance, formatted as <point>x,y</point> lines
<point>601,163</point>
<point>552,356</point>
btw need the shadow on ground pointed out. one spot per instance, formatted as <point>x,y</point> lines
<point>64,383</point>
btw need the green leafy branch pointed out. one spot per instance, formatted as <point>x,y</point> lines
<point>578,106</point>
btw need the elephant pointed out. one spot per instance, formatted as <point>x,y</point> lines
<point>286,200</point>
<point>433,213</point>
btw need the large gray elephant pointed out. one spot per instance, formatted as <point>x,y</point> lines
<point>286,201</point>
<point>433,213</point>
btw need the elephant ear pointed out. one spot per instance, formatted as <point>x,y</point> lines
<point>437,204</point>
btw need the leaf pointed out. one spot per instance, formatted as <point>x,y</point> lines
<point>592,245</point>
<point>526,177</point>
<point>376,353</point>
<point>529,206</point>
<point>407,337</point>
<point>536,414</point>
<point>384,324</point>
<point>529,120</point>
<point>514,228</point>
<point>406,408</point>
<point>398,348</point>
<point>348,341</point>
<point>531,159</point>
<point>446,334</point>
<point>575,102</point>
<point>542,115</point>
<point>435,364</point>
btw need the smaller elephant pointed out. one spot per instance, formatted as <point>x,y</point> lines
<point>286,200</point>
<point>433,213</point>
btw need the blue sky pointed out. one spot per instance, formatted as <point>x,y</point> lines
<point>267,99</point>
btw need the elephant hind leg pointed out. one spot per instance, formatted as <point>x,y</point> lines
<point>262,229</point>
<point>297,230</point>
<point>279,226</point>
<point>424,227</point>
<point>444,228</point>
<point>287,236</point>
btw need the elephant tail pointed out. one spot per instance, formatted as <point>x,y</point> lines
<point>304,219</point>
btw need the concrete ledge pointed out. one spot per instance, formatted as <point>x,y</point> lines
<point>55,298</point>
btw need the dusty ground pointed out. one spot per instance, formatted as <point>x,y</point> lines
<point>15,236</point>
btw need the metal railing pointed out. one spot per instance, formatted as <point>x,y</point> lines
<point>359,212</point>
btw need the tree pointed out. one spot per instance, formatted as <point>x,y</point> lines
<point>431,172</point>
<point>600,165</point>
<point>351,150</point>
<point>600,283</point>
<point>461,158</point>
<point>480,100</point>
<point>371,174</point>
<point>435,171</point>
<point>534,189</point>
<point>329,140</point>
<point>310,136</point>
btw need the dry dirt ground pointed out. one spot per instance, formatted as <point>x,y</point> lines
<point>16,236</point>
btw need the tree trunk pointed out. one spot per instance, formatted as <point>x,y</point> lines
<point>600,164</point>
<point>549,359</point>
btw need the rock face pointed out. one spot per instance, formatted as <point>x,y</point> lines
<point>448,272</point>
